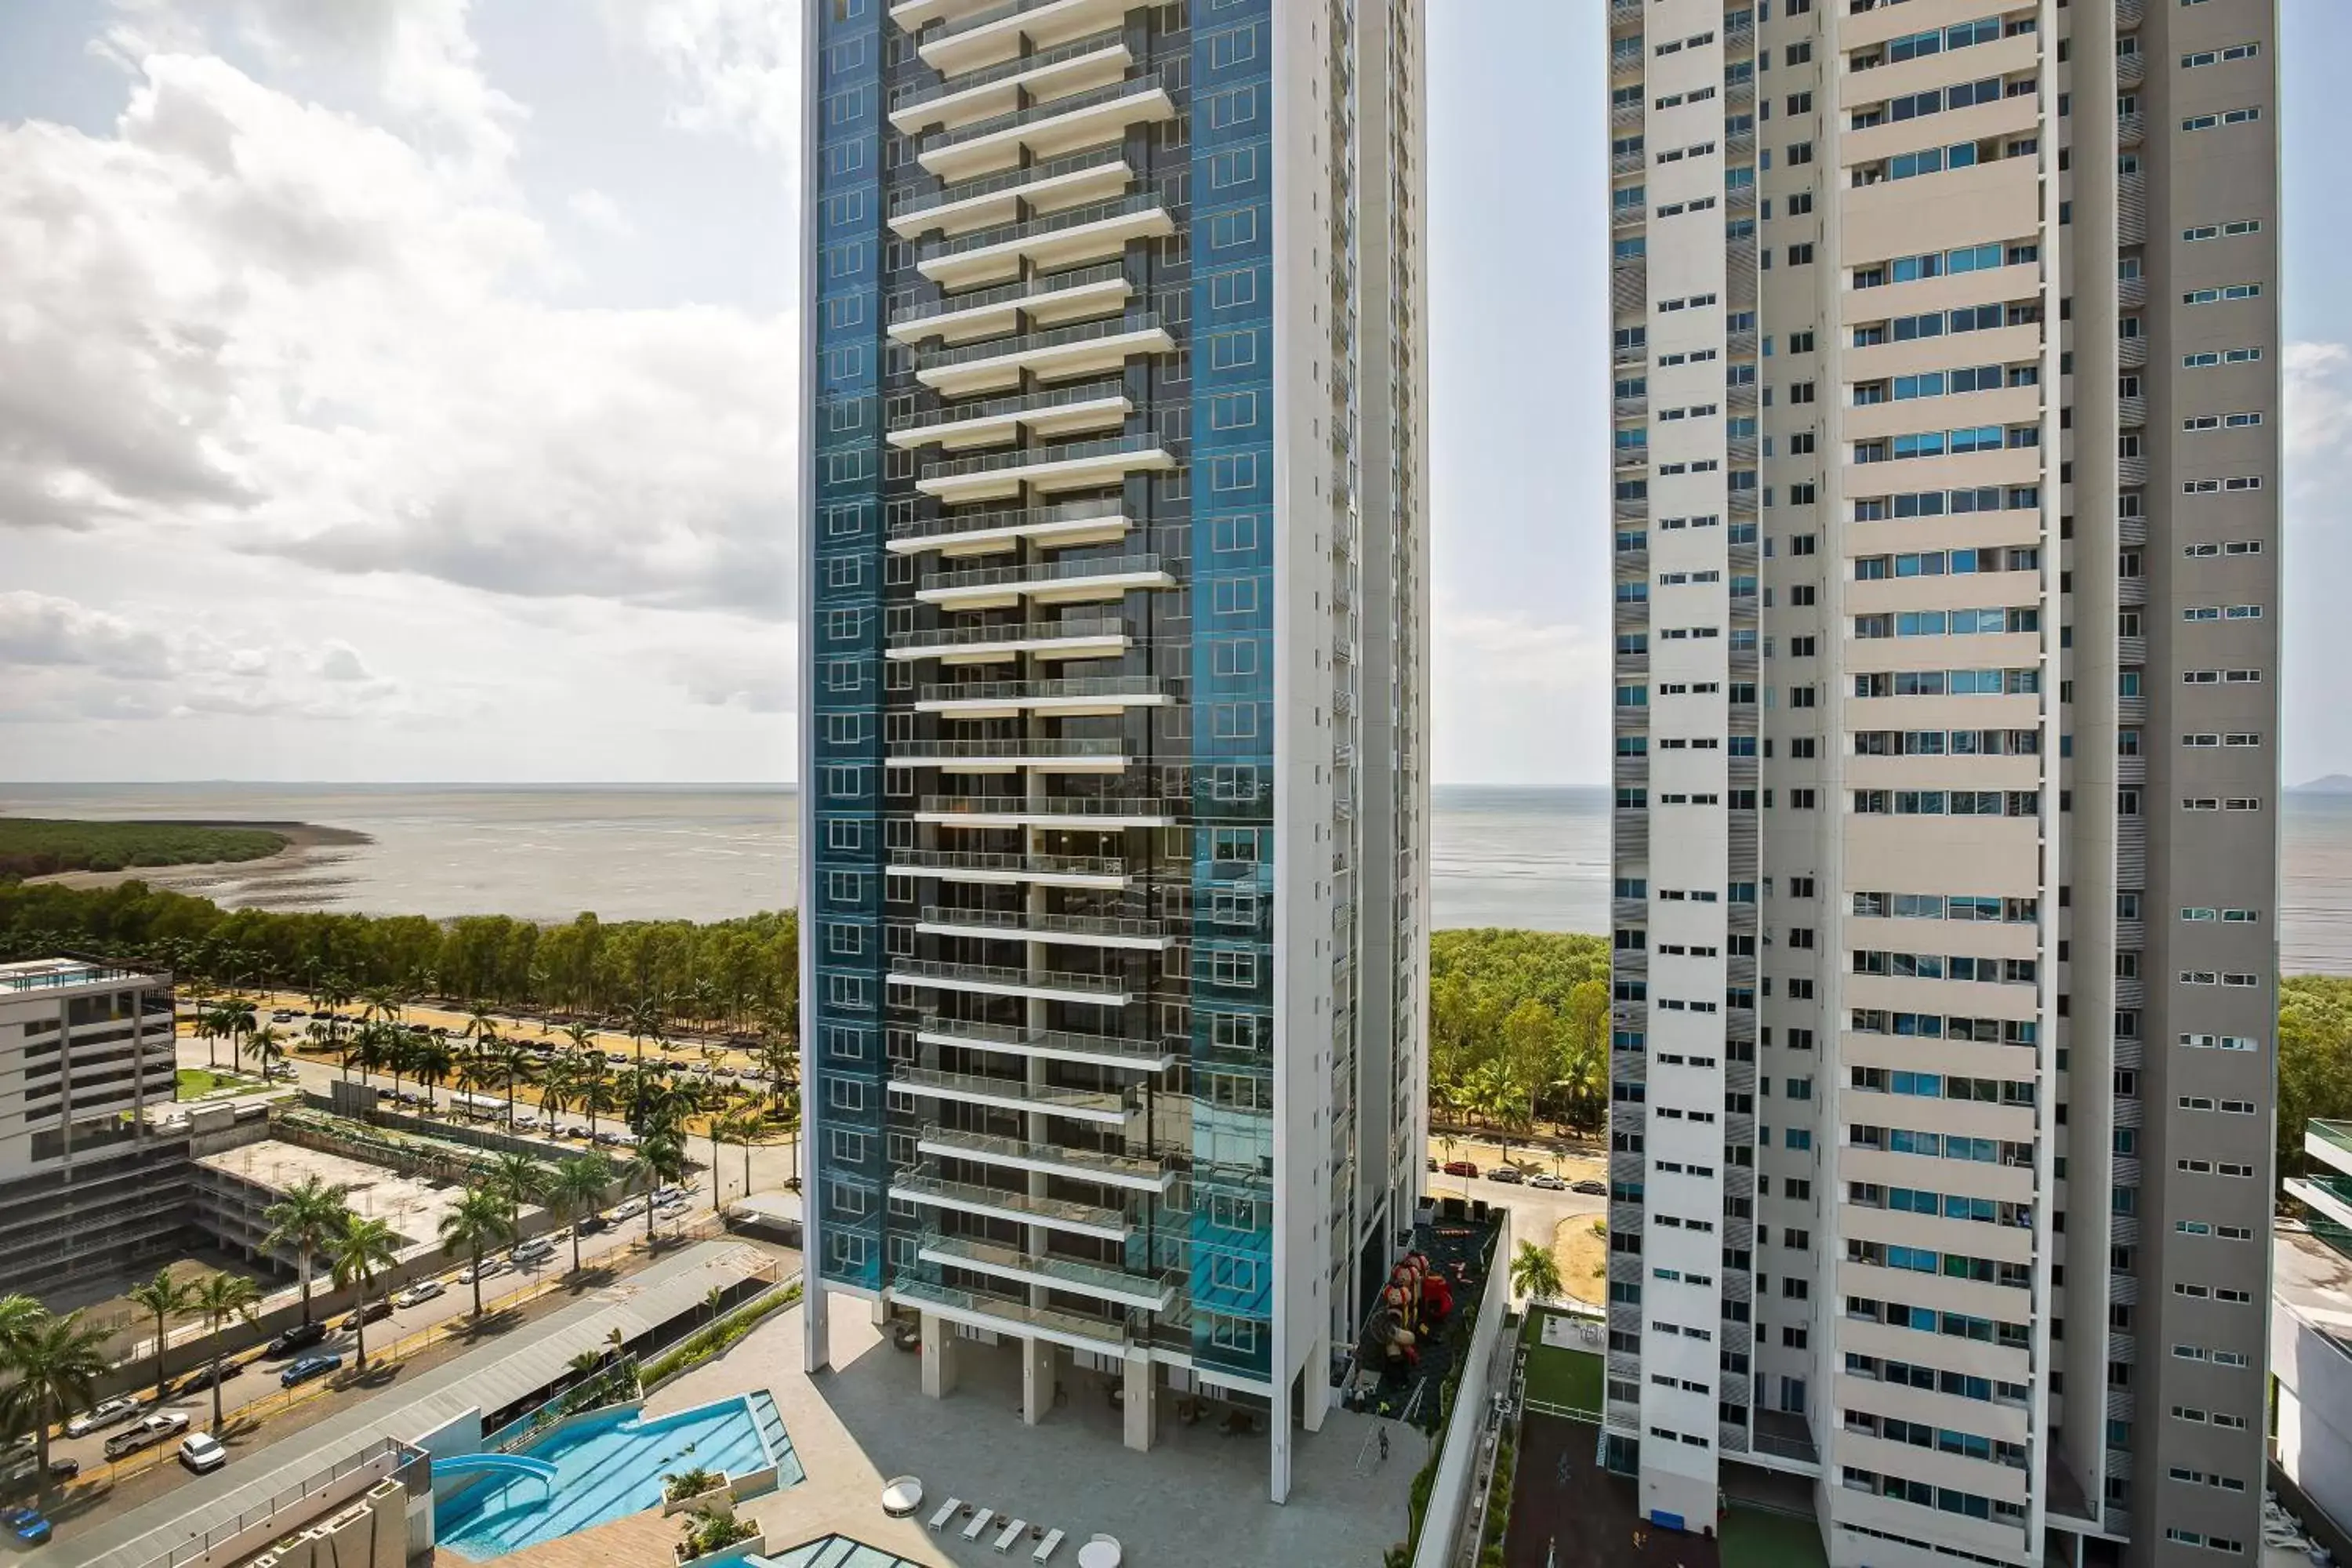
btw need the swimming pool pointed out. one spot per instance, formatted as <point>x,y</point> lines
<point>609,1465</point>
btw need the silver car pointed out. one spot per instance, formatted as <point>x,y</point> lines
<point>106,1412</point>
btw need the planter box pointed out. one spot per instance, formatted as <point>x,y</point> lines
<point>750,1546</point>
<point>717,1495</point>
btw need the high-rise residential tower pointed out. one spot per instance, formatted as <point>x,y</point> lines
<point>1945,369</point>
<point>1113,718</point>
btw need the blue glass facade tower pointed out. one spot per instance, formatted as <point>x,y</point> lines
<point>1113,617</point>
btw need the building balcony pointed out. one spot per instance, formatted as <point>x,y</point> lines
<point>1012,1094</point>
<point>993,312</point>
<point>2131,413</point>
<point>977,36</point>
<point>1096,175</point>
<point>1077,637</point>
<point>1021,925</point>
<point>1088,347</point>
<point>1003,1315</point>
<point>1107,873</point>
<point>993,980</point>
<point>1138,1172</point>
<point>2131,129</point>
<point>989,91</point>
<point>1153,1293</point>
<point>1623,11</point>
<point>1090,812</point>
<point>1093,694</point>
<point>1156,1055</point>
<point>2131,473</point>
<point>988,421</point>
<point>997,1203</point>
<point>1043,583</point>
<point>1090,755</point>
<point>1075,466</point>
<point>1074,234</point>
<point>2130,14</point>
<point>2131,293</point>
<point>1062,526</point>
<point>2131,352</point>
<point>1046,130</point>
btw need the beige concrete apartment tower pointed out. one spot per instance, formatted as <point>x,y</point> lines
<point>1946,376</point>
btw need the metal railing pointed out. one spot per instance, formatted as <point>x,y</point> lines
<point>1056,805</point>
<point>1015,1038</point>
<point>990,18</point>
<point>1018,920</point>
<point>1031,865</point>
<point>1095,1163</point>
<point>1040,690</point>
<point>255,1518</point>
<point>1005,293</point>
<point>1040,457</point>
<point>1106,1332</point>
<point>1052,222</point>
<point>990,1258</point>
<point>954,1085</point>
<point>1075,629</point>
<point>1015,402</point>
<point>1011,749</point>
<point>1073,103</point>
<point>915,971</point>
<point>1040,574</point>
<point>1052,338</point>
<point>1013,517</point>
<point>919,1186</point>
<point>948,87</point>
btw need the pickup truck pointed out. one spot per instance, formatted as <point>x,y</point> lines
<point>160,1428</point>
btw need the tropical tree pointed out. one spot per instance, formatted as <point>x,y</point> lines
<point>645,1021</point>
<point>266,1047</point>
<point>222,1300</point>
<point>661,1160</point>
<point>363,1249</point>
<point>54,1364</point>
<point>228,1019</point>
<point>167,1298</point>
<point>481,1027</point>
<point>735,1129</point>
<point>307,1217</point>
<point>431,1064</point>
<point>577,1191</point>
<point>19,1316</point>
<point>1535,1272</point>
<point>518,1179</point>
<point>517,1065</point>
<point>477,1223</point>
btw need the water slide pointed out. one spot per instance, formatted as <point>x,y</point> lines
<point>494,1464</point>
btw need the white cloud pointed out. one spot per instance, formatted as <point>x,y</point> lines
<point>2318,399</point>
<point>39,631</point>
<point>1516,700</point>
<point>737,64</point>
<point>600,213</point>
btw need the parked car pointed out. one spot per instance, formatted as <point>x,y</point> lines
<point>628,1208</point>
<point>1590,1188</point>
<point>202,1452</point>
<point>284,1072</point>
<point>1460,1168</point>
<point>533,1250</point>
<point>490,1265</point>
<point>1548,1182</point>
<point>160,1428</point>
<point>24,1525</point>
<point>373,1312</point>
<point>1510,1174</point>
<point>204,1377</point>
<point>105,1412</point>
<point>20,1478</point>
<point>416,1295</point>
<point>303,1371</point>
<point>591,1224</point>
<point>301,1336</point>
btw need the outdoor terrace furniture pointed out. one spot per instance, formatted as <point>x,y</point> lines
<point>979,1522</point>
<point>1046,1547</point>
<point>947,1512</point>
<point>1012,1534</point>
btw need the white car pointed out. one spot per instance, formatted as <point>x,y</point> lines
<point>490,1265</point>
<point>106,1412</point>
<point>202,1452</point>
<point>416,1295</point>
<point>532,1251</point>
<point>630,1208</point>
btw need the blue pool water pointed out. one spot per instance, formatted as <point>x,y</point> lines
<point>612,1466</point>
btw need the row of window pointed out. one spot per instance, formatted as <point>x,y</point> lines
<point>1909,504</point>
<point>1943,1440</point>
<point>1955,623</point>
<point>1940,1205</point>
<point>1941,264</point>
<point>1936,1380</point>
<point>1942,564</point>
<point>1986,910</point>
<point>1943,1086</point>
<point>1947,683</point>
<point>1957,442</point>
<point>1943,802</point>
<point>1940,1145</point>
<point>1947,742</point>
<point>1944,1027</point>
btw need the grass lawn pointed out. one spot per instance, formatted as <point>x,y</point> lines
<point>1556,1376</point>
<point>194,1083</point>
<point>1756,1538</point>
<point>35,847</point>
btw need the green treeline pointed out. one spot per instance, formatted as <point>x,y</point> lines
<point>738,972</point>
<point>2315,1058</point>
<point>1518,1025</point>
<point>38,846</point>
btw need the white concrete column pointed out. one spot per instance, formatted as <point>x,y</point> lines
<point>940,1344</point>
<point>1142,1418</point>
<point>1039,1372</point>
<point>1319,1387</point>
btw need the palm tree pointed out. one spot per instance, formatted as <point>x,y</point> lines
<point>559,1084</point>
<point>596,1089</point>
<point>520,1179</point>
<point>380,1004</point>
<point>231,1017</point>
<point>361,1250</point>
<point>477,1222</point>
<point>266,1047</point>
<point>431,1064</point>
<point>307,1217</point>
<point>577,1191</point>
<point>222,1300</point>
<point>720,1120</point>
<point>661,1159</point>
<point>1535,1272</point>
<point>734,1129</point>
<point>480,1026</point>
<point>19,1316</point>
<point>368,1049</point>
<point>517,1065</point>
<point>644,1022</point>
<point>167,1298</point>
<point>55,1364</point>
<point>339,994</point>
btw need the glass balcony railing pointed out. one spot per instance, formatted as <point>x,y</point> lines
<point>1018,1040</point>
<point>917,970</point>
<point>1043,573</point>
<point>918,1291</point>
<point>990,18</point>
<point>1016,404</point>
<point>991,1258</point>
<point>1037,690</point>
<point>1022,921</point>
<point>1075,629</point>
<point>1142,86</point>
<point>1012,747</point>
<point>1034,518</point>
<point>1043,456</point>
<point>1036,343</point>
<point>1055,806</point>
<point>972,1086</point>
<point>1052,222</point>
<point>1091,1164</point>
<point>1006,293</point>
<point>2336,1135</point>
<point>919,1185</point>
<point>925,93</point>
<point>1013,864</point>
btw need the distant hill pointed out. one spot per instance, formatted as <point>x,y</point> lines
<point>2334,783</point>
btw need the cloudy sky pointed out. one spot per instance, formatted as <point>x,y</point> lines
<point>402,390</point>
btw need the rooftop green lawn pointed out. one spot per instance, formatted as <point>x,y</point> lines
<point>1556,1376</point>
<point>1753,1538</point>
<point>38,846</point>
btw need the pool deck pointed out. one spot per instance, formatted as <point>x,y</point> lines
<point>1198,1498</point>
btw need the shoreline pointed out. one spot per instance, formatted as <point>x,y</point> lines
<point>307,844</point>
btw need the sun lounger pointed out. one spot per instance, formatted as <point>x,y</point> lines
<point>1046,1547</point>
<point>947,1512</point>
<point>979,1522</point>
<point>1012,1534</point>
